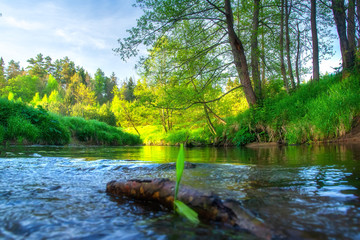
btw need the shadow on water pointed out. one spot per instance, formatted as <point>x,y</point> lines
<point>59,192</point>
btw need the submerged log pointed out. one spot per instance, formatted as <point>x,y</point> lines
<point>208,206</point>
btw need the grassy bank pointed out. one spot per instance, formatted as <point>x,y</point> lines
<point>314,112</point>
<point>21,124</point>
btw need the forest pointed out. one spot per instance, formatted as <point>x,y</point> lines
<point>213,72</point>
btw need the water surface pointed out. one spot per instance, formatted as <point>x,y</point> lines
<point>59,192</point>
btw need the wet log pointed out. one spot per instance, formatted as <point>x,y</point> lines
<point>208,206</point>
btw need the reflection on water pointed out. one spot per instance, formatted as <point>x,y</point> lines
<point>58,192</point>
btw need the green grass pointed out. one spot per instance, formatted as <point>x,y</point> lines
<point>22,124</point>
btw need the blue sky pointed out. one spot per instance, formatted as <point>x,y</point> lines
<point>85,31</point>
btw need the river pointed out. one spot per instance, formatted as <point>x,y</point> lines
<point>59,192</point>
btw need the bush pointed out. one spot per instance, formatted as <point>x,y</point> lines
<point>2,134</point>
<point>21,129</point>
<point>243,137</point>
<point>95,132</point>
<point>177,136</point>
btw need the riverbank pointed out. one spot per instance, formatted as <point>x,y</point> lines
<point>323,111</point>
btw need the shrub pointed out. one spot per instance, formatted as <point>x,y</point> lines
<point>95,132</point>
<point>19,128</point>
<point>243,137</point>
<point>2,133</point>
<point>177,136</point>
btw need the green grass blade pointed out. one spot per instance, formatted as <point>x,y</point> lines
<point>179,168</point>
<point>183,210</point>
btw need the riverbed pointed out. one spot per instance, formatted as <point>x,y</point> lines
<point>59,192</point>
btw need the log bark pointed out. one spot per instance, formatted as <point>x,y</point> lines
<point>208,206</point>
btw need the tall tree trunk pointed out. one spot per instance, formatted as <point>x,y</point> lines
<point>281,42</point>
<point>351,25</point>
<point>255,50</point>
<point>315,43</point>
<point>239,56</point>
<point>263,62</point>
<point>288,53</point>
<point>347,54</point>
<point>358,19</point>
<point>298,47</point>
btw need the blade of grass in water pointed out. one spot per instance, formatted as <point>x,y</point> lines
<point>183,210</point>
<point>180,207</point>
<point>180,162</point>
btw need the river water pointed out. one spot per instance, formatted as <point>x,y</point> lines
<point>59,192</point>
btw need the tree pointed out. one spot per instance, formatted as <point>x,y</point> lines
<point>110,83</point>
<point>255,53</point>
<point>51,85</point>
<point>13,70</point>
<point>281,42</point>
<point>315,43</point>
<point>126,113</point>
<point>179,85</point>
<point>213,23</point>
<point>102,86</point>
<point>347,52</point>
<point>288,7</point>
<point>64,69</point>
<point>2,75</point>
<point>128,88</point>
<point>358,20</point>
<point>38,67</point>
<point>23,86</point>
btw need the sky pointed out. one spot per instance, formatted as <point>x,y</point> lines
<point>84,30</point>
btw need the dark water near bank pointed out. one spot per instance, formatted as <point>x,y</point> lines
<point>59,192</point>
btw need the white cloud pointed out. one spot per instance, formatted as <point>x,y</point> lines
<point>80,38</point>
<point>22,24</point>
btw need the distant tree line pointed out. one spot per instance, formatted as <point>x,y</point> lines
<point>62,87</point>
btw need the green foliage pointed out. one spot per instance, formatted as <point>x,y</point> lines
<point>23,86</point>
<point>177,136</point>
<point>180,207</point>
<point>21,129</point>
<point>243,137</point>
<point>2,134</point>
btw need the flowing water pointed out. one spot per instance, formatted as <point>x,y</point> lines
<point>59,192</point>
